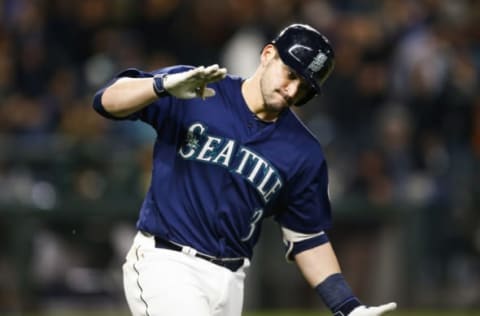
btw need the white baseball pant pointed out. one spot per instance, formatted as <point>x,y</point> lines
<point>162,282</point>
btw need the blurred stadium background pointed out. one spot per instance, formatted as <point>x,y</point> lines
<point>399,121</point>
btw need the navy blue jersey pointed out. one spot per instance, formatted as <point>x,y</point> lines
<point>218,171</point>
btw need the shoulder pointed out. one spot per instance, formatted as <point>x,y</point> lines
<point>300,135</point>
<point>305,151</point>
<point>229,88</point>
<point>230,81</point>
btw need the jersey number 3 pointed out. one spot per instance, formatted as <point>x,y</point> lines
<point>257,215</point>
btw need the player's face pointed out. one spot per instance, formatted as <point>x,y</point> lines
<point>281,86</point>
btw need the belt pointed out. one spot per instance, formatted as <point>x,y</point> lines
<point>232,264</point>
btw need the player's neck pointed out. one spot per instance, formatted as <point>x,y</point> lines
<point>254,100</point>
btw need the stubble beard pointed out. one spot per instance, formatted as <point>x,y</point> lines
<point>266,95</point>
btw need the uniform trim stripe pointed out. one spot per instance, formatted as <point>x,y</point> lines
<point>293,236</point>
<point>297,242</point>
<point>138,281</point>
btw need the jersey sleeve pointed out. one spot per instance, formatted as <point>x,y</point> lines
<point>307,214</point>
<point>150,114</point>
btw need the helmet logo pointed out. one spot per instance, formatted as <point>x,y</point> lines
<point>300,53</point>
<point>296,50</point>
<point>317,62</point>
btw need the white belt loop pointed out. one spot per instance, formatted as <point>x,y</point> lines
<point>189,251</point>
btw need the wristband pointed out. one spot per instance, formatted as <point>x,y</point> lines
<point>158,85</point>
<point>337,295</point>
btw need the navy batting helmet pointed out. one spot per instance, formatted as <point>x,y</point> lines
<point>307,52</point>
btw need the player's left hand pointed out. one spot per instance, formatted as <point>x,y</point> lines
<point>193,83</point>
<point>373,310</point>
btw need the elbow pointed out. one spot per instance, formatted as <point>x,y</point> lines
<point>100,108</point>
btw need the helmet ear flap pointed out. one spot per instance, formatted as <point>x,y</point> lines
<point>308,96</point>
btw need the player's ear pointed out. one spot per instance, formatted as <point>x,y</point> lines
<point>268,53</point>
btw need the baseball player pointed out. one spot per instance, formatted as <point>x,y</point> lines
<point>229,153</point>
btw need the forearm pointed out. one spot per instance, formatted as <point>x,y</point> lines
<point>128,95</point>
<point>320,268</point>
<point>318,263</point>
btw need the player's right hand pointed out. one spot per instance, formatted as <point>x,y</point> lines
<point>193,83</point>
<point>363,310</point>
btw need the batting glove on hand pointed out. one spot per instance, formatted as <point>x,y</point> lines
<point>363,310</point>
<point>193,83</point>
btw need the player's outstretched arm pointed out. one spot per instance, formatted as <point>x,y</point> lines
<point>319,266</point>
<point>128,95</point>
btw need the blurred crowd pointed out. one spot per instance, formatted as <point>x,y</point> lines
<point>399,118</point>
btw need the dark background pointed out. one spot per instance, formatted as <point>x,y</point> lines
<point>399,121</point>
